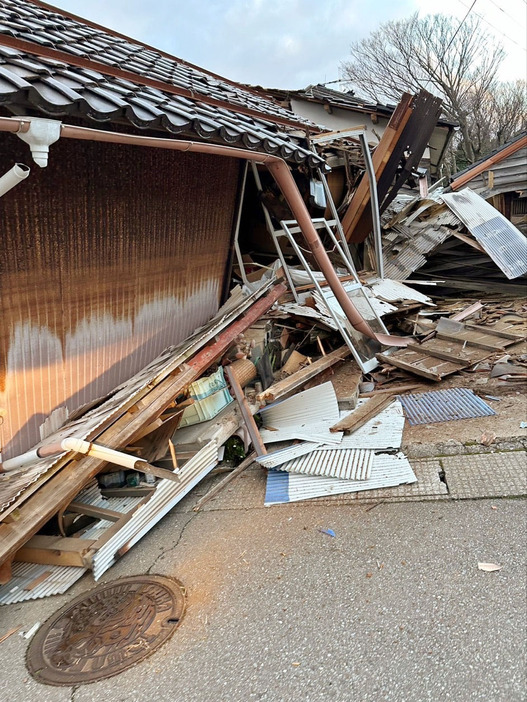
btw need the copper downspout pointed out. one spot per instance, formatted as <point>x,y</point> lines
<point>281,174</point>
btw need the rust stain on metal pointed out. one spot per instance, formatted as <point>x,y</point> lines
<point>110,629</point>
<point>110,254</point>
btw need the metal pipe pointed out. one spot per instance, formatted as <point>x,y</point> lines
<point>13,177</point>
<point>237,249</point>
<point>374,200</point>
<point>285,181</point>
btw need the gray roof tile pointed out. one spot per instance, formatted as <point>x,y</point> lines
<point>59,88</point>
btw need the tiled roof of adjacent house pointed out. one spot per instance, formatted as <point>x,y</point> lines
<point>60,65</point>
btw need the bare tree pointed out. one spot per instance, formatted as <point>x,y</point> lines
<point>456,61</point>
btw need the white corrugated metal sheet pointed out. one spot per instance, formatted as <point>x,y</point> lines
<point>60,579</point>
<point>307,415</point>
<point>387,471</point>
<point>166,496</point>
<point>276,458</point>
<point>318,432</point>
<point>395,291</point>
<point>502,241</point>
<point>385,431</point>
<point>350,464</point>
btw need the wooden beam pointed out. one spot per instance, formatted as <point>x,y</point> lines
<point>56,550</point>
<point>247,415</point>
<point>381,156</point>
<point>403,365</point>
<point>95,512</point>
<point>443,355</point>
<point>301,377</point>
<point>391,391</point>
<point>359,417</point>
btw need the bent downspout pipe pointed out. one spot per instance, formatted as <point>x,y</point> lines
<point>13,177</point>
<point>88,448</point>
<point>285,181</point>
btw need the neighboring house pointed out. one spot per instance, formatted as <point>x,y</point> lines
<point>337,110</point>
<point>501,178</point>
<point>112,252</point>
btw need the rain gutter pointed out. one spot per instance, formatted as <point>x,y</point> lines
<point>281,174</point>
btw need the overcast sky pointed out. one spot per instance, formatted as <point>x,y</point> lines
<point>285,43</point>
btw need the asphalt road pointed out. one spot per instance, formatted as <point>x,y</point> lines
<point>392,608</point>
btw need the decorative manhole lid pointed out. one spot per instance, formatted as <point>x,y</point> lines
<point>106,631</point>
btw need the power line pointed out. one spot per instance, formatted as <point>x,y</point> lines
<point>460,25</point>
<point>494,27</point>
<point>514,19</point>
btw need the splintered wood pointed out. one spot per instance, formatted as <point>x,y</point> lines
<point>363,414</point>
<point>301,377</point>
<point>453,347</point>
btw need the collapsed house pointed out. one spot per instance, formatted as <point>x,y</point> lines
<point>153,302</point>
<point>338,110</point>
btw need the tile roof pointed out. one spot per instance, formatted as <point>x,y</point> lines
<point>60,65</point>
<point>338,98</point>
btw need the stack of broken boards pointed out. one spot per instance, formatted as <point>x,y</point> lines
<point>450,347</point>
<point>333,451</point>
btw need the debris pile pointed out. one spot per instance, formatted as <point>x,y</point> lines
<point>259,383</point>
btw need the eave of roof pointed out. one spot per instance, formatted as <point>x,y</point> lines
<point>64,66</point>
<point>467,174</point>
<point>325,96</point>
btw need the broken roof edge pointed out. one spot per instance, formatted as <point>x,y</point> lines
<point>463,177</point>
<point>343,101</point>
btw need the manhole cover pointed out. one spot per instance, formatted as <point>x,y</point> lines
<point>105,632</point>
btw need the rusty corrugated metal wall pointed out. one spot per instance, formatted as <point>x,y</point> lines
<point>108,255</point>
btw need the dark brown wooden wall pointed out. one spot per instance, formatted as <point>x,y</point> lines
<point>107,256</point>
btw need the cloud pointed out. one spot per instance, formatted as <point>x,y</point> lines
<point>274,43</point>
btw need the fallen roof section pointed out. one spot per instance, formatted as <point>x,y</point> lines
<point>502,241</point>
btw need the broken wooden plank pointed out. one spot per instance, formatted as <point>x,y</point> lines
<point>93,511</point>
<point>301,377</point>
<point>249,460</point>
<point>393,360</point>
<point>37,581</point>
<point>359,417</point>
<point>56,550</point>
<point>391,391</point>
<point>443,355</point>
<point>247,415</point>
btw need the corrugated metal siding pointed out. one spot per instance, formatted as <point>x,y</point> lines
<point>168,493</point>
<point>387,471</point>
<point>110,254</point>
<point>508,175</point>
<point>444,406</point>
<point>60,579</point>
<point>349,464</point>
<point>503,242</point>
